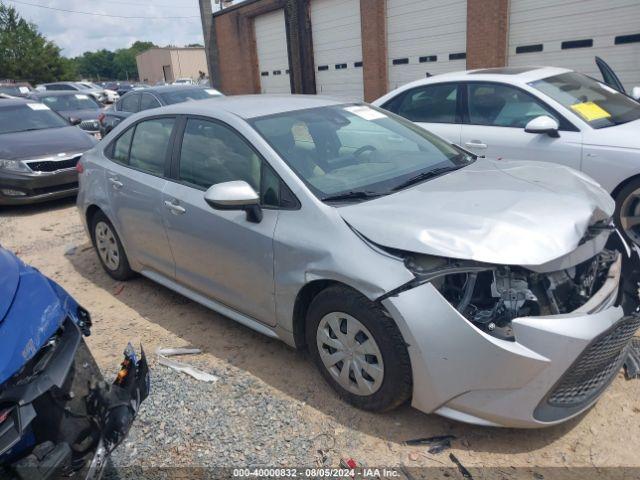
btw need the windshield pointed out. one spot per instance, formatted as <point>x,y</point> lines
<point>180,95</point>
<point>65,103</point>
<point>28,116</point>
<point>596,103</point>
<point>350,149</point>
<point>13,90</point>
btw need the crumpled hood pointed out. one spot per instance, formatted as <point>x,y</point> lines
<point>512,213</point>
<point>40,143</point>
<point>32,309</point>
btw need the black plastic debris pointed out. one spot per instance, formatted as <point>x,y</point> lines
<point>632,362</point>
<point>437,444</point>
<point>461,468</point>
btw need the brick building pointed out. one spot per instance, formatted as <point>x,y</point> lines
<point>360,49</point>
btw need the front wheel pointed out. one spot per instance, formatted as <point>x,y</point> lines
<point>627,214</point>
<point>359,349</point>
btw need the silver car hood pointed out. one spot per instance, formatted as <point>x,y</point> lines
<point>512,213</point>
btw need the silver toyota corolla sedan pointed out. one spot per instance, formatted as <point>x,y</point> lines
<point>489,292</point>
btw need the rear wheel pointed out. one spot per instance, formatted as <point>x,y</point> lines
<point>359,349</point>
<point>627,214</point>
<point>109,248</point>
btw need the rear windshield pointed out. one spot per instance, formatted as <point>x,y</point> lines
<point>13,90</point>
<point>184,94</point>
<point>65,103</point>
<point>596,103</point>
<point>28,116</point>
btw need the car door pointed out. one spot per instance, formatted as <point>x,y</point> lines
<point>495,116</point>
<point>435,107</point>
<point>135,177</point>
<point>219,253</point>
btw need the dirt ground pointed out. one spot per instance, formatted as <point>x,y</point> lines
<point>144,312</point>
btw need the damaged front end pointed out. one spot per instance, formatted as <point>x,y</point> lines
<point>527,345</point>
<point>58,417</point>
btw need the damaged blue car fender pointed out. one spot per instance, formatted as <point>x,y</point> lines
<point>32,309</point>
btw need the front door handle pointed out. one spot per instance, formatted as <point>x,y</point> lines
<point>476,144</point>
<point>174,207</point>
<point>117,185</point>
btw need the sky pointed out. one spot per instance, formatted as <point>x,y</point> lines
<point>75,33</point>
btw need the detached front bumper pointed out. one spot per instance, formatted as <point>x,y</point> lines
<point>556,368</point>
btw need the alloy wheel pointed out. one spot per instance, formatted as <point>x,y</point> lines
<point>630,216</point>
<point>350,353</point>
<point>107,245</point>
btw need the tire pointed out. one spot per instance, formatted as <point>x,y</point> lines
<point>336,308</point>
<point>113,258</point>
<point>628,205</point>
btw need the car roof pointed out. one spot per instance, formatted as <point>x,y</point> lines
<point>167,88</point>
<point>515,75</point>
<point>54,93</point>
<point>251,106</point>
<point>12,102</point>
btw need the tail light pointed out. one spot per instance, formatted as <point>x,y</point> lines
<point>4,414</point>
<point>79,167</point>
<point>101,117</point>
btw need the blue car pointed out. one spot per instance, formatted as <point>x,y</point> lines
<point>57,414</point>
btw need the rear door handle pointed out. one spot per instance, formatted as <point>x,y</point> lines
<point>174,207</point>
<point>117,184</point>
<point>476,144</point>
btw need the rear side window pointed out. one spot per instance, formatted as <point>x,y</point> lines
<point>129,103</point>
<point>59,86</point>
<point>121,147</point>
<point>149,145</point>
<point>429,104</point>
<point>148,101</point>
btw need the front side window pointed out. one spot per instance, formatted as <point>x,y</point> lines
<point>355,149</point>
<point>149,145</point>
<point>500,105</point>
<point>597,104</point>
<point>60,86</point>
<point>29,116</point>
<point>213,153</point>
<point>129,103</point>
<point>430,104</point>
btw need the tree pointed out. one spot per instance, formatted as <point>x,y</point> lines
<point>104,64</point>
<point>25,54</point>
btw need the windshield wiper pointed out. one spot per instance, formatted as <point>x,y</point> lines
<point>352,195</point>
<point>421,177</point>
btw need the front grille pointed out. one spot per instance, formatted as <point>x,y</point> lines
<point>91,125</point>
<point>52,166</point>
<point>595,367</point>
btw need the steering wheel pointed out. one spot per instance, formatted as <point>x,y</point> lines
<point>365,148</point>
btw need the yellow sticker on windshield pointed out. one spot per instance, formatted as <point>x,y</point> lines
<point>590,111</point>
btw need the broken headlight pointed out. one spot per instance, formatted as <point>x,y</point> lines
<point>491,296</point>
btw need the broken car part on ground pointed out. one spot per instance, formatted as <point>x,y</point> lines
<point>57,414</point>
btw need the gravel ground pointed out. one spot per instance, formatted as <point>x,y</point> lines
<point>270,407</point>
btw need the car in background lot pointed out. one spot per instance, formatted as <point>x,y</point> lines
<point>111,95</point>
<point>151,97</point>
<point>17,89</point>
<point>58,417</point>
<point>39,151</point>
<point>78,108</point>
<point>532,113</point>
<point>490,292</point>
<point>184,81</point>
<point>97,93</point>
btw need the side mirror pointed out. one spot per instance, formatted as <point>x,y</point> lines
<point>236,195</point>
<point>635,93</point>
<point>74,121</point>
<point>543,124</point>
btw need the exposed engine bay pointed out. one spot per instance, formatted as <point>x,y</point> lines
<point>491,296</point>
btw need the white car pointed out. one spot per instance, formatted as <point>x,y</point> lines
<point>184,81</point>
<point>537,113</point>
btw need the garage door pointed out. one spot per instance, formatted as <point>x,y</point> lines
<point>337,48</point>
<point>425,36</point>
<point>571,34</point>
<point>273,59</point>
